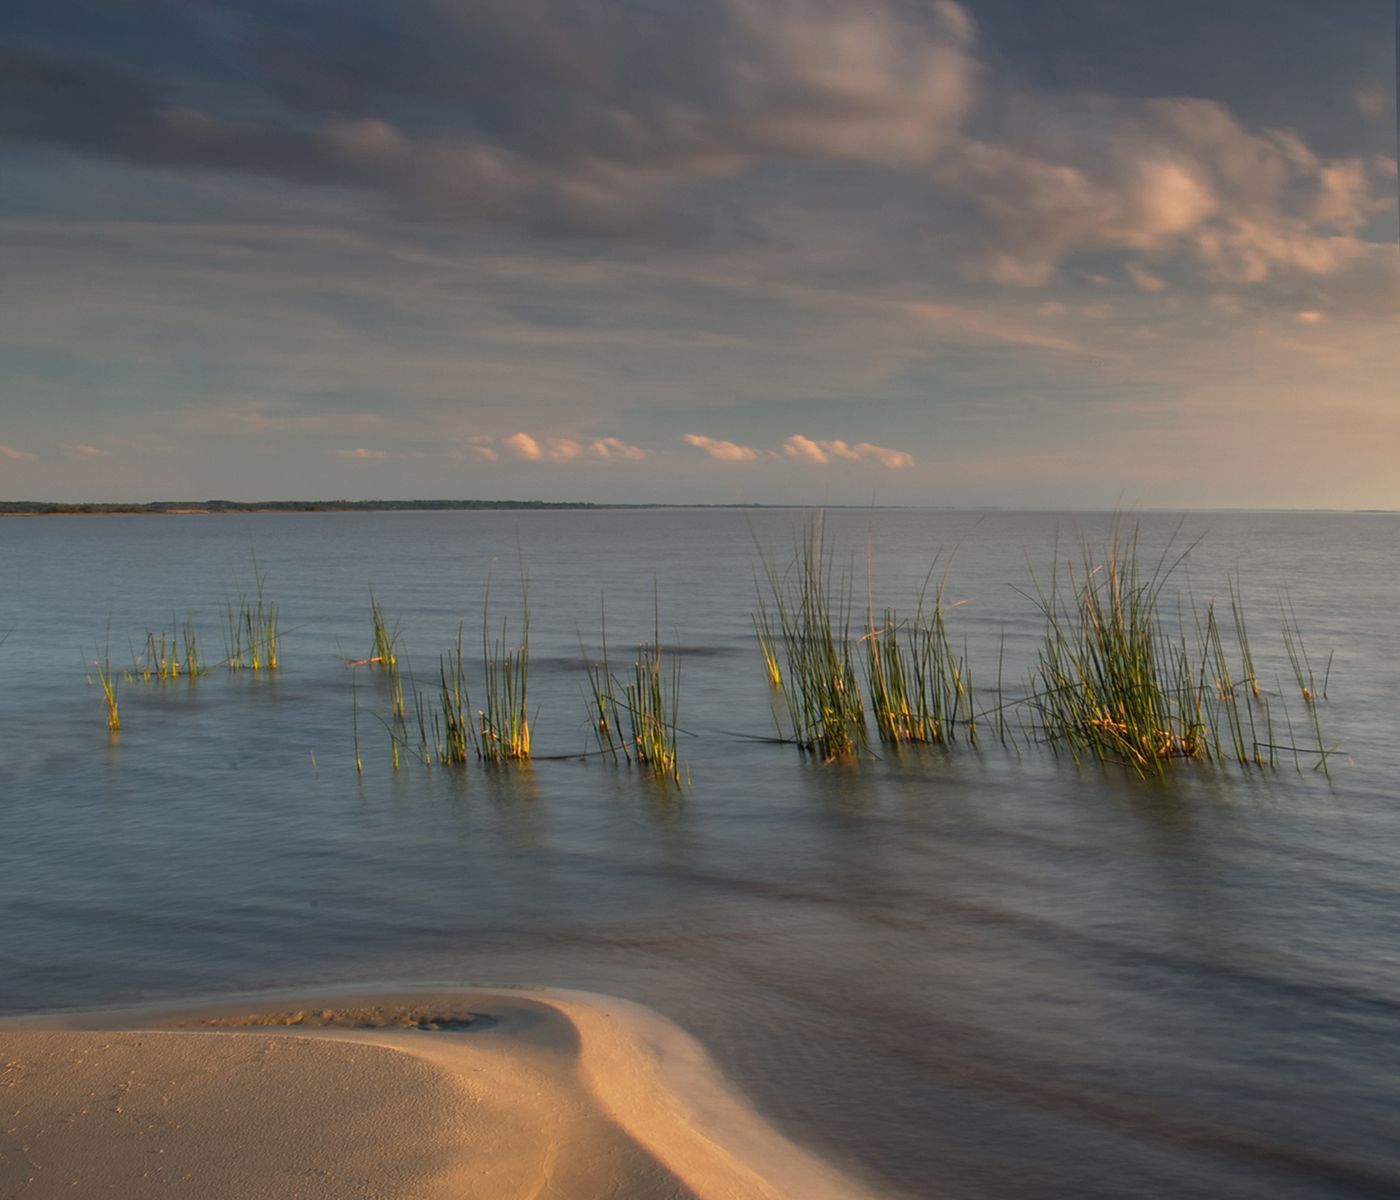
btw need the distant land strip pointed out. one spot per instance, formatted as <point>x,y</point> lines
<point>39,508</point>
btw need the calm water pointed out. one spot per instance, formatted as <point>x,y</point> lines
<point>977,974</point>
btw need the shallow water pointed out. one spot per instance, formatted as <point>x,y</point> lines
<point>981,973</point>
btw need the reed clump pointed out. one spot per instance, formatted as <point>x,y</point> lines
<point>1113,682</point>
<point>251,633</point>
<point>169,656</point>
<point>108,681</point>
<point>384,652</point>
<point>452,725</point>
<point>651,701</point>
<point>604,713</point>
<point>1109,682</point>
<point>811,620</point>
<point>504,722</point>
<point>920,688</point>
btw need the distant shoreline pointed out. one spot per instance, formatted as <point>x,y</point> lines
<point>172,508</point>
<point>204,508</point>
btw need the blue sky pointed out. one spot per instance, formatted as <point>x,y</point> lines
<point>815,251</point>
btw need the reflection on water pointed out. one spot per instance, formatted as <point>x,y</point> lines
<point>977,973</point>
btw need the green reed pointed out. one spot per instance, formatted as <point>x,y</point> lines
<point>251,633</point>
<point>920,688</point>
<point>108,681</point>
<point>168,656</point>
<point>653,702</point>
<point>1112,682</point>
<point>604,716</point>
<point>384,651</point>
<point>453,732</point>
<point>811,618</point>
<point>1108,682</point>
<point>504,722</point>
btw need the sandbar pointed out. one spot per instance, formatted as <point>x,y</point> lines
<point>468,1094</point>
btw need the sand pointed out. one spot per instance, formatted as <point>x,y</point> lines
<point>468,1094</point>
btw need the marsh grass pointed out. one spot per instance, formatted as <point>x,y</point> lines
<point>1108,683</point>
<point>504,722</point>
<point>604,715</point>
<point>251,634</point>
<point>811,618</point>
<point>108,681</point>
<point>1113,683</point>
<point>452,725</point>
<point>920,688</point>
<point>651,701</point>
<point>384,652</point>
<point>169,656</point>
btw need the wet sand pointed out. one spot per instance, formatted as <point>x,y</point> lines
<point>471,1094</point>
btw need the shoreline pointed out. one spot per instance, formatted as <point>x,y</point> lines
<point>485,1093</point>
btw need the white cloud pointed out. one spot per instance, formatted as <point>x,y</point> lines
<point>724,451</point>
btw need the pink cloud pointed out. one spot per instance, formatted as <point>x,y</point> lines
<point>724,451</point>
<point>523,446</point>
<point>15,455</point>
<point>820,452</point>
<point>561,449</point>
<point>85,451</point>
<point>360,454</point>
<point>611,447</point>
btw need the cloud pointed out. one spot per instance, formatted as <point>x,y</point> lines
<point>894,459</point>
<point>805,449</point>
<point>15,455</point>
<point>558,449</point>
<point>360,454</point>
<point>1063,176</point>
<point>523,447</point>
<point>484,452</point>
<point>724,451</point>
<point>1144,278</point>
<point>611,447</point>
<point>84,451</point>
<point>557,115</point>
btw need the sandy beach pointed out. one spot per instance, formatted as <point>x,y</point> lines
<point>475,1094</point>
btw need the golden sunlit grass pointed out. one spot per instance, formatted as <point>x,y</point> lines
<point>651,701</point>
<point>504,722</point>
<point>919,687</point>
<point>826,714</point>
<point>168,656</point>
<point>1115,683</point>
<point>251,635</point>
<point>1126,672</point>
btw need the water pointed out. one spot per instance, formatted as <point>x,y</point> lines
<point>983,974</point>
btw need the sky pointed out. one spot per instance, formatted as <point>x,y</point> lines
<point>1001,252</point>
